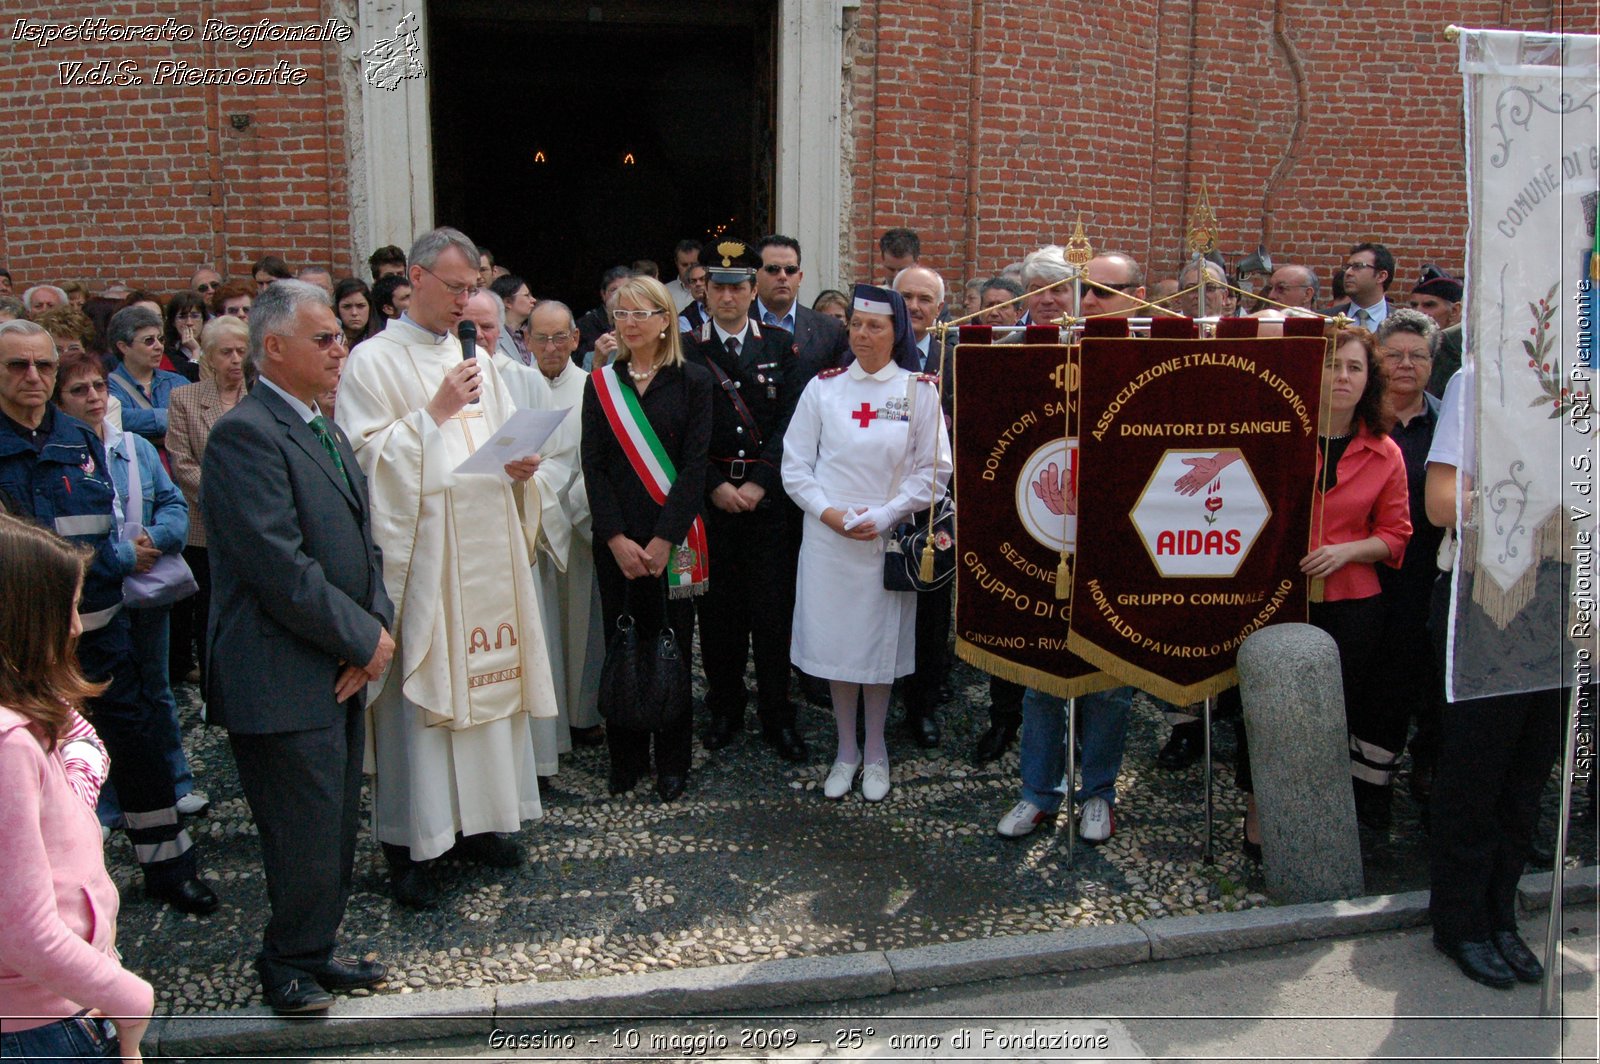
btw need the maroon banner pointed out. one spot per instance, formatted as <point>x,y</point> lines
<point>1199,456</point>
<point>1016,512</point>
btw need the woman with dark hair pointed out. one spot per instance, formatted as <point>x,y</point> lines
<point>233,299</point>
<point>866,448</point>
<point>63,990</point>
<point>185,316</point>
<point>352,301</point>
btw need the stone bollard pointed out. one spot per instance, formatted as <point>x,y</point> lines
<point>1300,760</point>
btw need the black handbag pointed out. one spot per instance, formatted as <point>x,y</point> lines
<point>645,688</point>
<point>906,557</point>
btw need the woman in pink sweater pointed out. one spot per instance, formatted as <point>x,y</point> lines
<point>63,992</point>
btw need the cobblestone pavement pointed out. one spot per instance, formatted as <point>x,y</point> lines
<point>752,863</point>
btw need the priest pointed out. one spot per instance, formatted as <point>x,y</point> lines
<point>452,737</point>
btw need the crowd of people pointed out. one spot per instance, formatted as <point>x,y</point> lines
<point>270,463</point>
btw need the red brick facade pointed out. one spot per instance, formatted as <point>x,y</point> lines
<point>988,125</point>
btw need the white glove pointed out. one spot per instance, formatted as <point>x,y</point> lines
<point>878,515</point>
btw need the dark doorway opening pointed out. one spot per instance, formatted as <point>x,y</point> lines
<point>572,137</point>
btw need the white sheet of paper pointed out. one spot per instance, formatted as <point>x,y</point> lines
<point>522,435</point>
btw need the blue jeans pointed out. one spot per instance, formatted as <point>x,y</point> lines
<point>152,633</point>
<point>78,1037</point>
<point>1102,733</point>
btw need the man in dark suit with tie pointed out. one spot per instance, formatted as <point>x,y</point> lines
<point>299,625</point>
<point>1367,272</point>
<point>818,338</point>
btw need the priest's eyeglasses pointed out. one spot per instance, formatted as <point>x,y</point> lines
<point>456,290</point>
<point>634,315</point>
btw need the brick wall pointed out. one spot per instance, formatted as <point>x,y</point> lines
<point>1311,132</point>
<point>140,182</point>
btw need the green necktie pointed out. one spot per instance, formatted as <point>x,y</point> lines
<point>319,425</point>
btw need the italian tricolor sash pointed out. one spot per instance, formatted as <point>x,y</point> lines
<point>690,568</point>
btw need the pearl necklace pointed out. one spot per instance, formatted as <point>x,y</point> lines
<point>651,372</point>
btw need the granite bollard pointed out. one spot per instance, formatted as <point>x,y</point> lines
<point>1300,761</point>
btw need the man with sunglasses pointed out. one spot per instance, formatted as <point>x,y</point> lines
<point>1367,272</point>
<point>205,281</point>
<point>818,338</point>
<point>1293,286</point>
<point>54,471</point>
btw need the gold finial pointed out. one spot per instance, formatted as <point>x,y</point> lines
<point>1078,250</point>
<point>1202,225</point>
<point>730,250</point>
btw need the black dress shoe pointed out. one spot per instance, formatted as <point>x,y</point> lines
<point>351,973</point>
<point>671,787</point>
<point>1478,961</point>
<point>723,731</point>
<point>1518,957</point>
<point>925,731</point>
<point>787,743</point>
<point>595,736</point>
<point>413,885</point>
<point>298,996</point>
<point>621,780</point>
<point>187,896</point>
<point>489,848</point>
<point>993,743</point>
<point>1184,747</point>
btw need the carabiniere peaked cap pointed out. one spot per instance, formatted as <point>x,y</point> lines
<point>729,261</point>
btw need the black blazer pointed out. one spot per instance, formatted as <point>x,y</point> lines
<point>678,406</point>
<point>296,577</point>
<point>818,338</point>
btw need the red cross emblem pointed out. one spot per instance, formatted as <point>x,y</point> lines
<point>864,415</point>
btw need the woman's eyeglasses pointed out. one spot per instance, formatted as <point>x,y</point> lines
<point>634,315</point>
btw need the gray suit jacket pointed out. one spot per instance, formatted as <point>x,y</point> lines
<point>297,579</point>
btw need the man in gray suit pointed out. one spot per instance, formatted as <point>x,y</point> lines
<point>299,625</point>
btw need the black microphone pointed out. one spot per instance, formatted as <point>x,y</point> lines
<point>468,332</point>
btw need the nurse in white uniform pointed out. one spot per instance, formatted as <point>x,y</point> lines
<point>866,448</point>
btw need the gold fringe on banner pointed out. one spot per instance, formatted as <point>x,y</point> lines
<point>994,665</point>
<point>1124,672</point>
<point>1502,605</point>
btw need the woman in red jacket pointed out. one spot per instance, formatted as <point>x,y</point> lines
<point>63,991</point>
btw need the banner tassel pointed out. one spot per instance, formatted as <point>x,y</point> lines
<point>1064,578</point>
<point>925,574</point>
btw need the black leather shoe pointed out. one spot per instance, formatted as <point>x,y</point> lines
<point>924,731</point>
<point>595,736</point>
<point>1518,957</point>
<point>489,848</point>
<point>413,886</point>
<point>622,780</point>
<point>1184,747</point>
<point>1478,961</point>
<point>723,731</point>
<point>297,996</point>
<point>786,742</point>
<point>187,896</point>
<point>993,743</point>
<point>671,787</point>
<point>351,973</point>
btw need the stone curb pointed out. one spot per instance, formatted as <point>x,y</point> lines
<point>762,985</point>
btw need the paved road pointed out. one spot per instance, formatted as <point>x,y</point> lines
<point>1377,997</point>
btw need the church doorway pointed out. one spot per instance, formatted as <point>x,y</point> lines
<point>569,137</point>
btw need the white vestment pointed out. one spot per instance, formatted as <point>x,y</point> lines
<point>452,744</point>
<point>583,647</point>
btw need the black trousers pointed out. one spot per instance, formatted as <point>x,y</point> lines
<point>304,792</point>
<point>1408,683</point>
<point>630,749</point>
<point>189,621</point>
<point>135,731</point>
<point>921,690</point>
<point>1005,701</point>
<point>750,604</point>
<point>1495,756</point>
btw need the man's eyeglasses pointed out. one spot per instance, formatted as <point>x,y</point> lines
<point>325,340</point>
<point>18,367</point>
<point>549,339</point>
<point>1355,267</point>
<point>1396,358</point>
<point>1279,286</point>
<point>1098,289</point>
<point>456,290</point>
<point>208,286</point>
<point>85,387</point>
<point>774,269</point>
<point>633,315</point>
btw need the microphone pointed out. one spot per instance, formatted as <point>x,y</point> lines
<point>468,332</point>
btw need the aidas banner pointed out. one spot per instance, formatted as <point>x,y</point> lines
<point>1017,513</point>
<point>1198,459</point>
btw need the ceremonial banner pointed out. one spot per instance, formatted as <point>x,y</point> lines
<point>1017,511</point>
<point>1527,385</point>
<point>1199,458</point>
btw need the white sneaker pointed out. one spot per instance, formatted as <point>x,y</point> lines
<point>875,782</point>
<point>1023,818</point>
<point>840,778</point>
<point>1095,823</point>
<point>194,804</point>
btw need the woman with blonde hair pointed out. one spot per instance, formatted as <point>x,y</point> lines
<point>63,990</point>
<point>646,429</point>
<point>191,412</point>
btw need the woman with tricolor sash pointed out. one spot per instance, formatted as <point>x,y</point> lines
<point>646,427</point>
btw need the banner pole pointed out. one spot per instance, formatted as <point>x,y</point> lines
<point>1208,856</point>
<point>1072,775</point>
<point>1549,992</point>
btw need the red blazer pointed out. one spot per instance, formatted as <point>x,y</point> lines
<point>1369,499</point>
